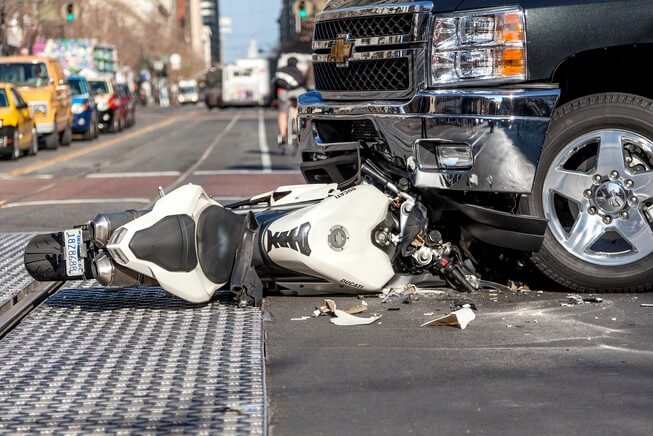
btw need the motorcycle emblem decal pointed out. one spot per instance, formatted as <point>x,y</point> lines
<point>338,237</point>
<point>341,50</point>
<point>295,239</point>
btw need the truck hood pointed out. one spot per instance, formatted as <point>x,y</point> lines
<point>35,94</point>
<point>438,5</point>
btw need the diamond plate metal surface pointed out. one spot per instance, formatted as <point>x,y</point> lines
<point>13,276</point>
<point>90,360</point>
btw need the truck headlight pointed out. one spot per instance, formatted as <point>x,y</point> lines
<point>39,108</point>
<point>479,46</point>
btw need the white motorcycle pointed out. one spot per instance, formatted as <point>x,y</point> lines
<point>357,237</point>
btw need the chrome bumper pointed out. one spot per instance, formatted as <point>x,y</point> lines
<point>505,128</point>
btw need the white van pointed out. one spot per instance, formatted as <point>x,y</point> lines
<point>189,92</point>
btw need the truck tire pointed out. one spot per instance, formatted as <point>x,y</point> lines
<point>67,136</point>
<point>595,187</point>
<point>34,145</point>
<point>51,141</point>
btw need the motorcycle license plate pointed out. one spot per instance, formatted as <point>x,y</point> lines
<point>74,260</point>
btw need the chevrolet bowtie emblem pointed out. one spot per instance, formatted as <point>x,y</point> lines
<point>341,50</point>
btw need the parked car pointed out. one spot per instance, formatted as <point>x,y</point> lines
<point>112,108</point>
<point>85,116</point>
<point>41,82</point>
<point>130,103</point>
<point>17,129</point>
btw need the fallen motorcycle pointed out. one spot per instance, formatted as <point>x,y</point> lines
<point>361,236</point>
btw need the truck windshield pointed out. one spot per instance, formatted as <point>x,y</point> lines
<point>188,90</point>
<point>24,74</point>
<point>3,98</point>
<point>99,87</point>
<point>76,86</point>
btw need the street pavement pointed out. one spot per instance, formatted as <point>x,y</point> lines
<point>525,365</point>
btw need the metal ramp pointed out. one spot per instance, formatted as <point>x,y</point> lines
<point>90,360</point>
<point>13,277</point>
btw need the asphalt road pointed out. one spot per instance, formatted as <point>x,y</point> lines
<point>231,153</point>
<point>525,365</point>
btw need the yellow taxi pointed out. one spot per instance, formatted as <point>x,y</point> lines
<point>42,84</point>
<point>17,128</point>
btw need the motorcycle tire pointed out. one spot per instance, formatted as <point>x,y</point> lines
<point>606,112</point>
<point>44,257</point>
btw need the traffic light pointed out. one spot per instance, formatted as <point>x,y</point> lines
<point>70,12</point>
<point>302,12</point>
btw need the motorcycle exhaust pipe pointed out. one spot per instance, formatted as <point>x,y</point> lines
<point>108,274</point>
<point>105,224</point>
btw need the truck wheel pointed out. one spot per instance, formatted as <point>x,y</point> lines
<point>34,146</point>
<point>52,141</point>
<point>67,136</point>
<point>595,187</point>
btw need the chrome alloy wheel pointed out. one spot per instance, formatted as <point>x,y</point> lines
<point>598,197</point>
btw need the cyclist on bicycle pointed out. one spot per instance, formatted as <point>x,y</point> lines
<point>291,83</point>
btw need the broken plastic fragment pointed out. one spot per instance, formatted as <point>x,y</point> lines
<point>458,318</point>
<point>303,318</point>
<point>342,318</point>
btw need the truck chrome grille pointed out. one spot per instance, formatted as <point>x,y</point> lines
<point>364,27</point>
<point>360,76</point>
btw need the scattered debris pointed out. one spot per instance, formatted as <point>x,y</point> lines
<point>518,286</point>
<point>303,318</point>
<point>646,305</point>
<point>267,317</point>
<point>459,304</point>
<point>574,300</point>
<point>613,319</point>
<point>428,314</point>
<point>359,308</point>
<point>593,299</point>
<point>408,293</point>
<point>343,318</point>
<point>317,312</point>
<point>393,308</point>
<point>458,318</point>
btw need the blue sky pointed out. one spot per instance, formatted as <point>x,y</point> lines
<point>250,18</point>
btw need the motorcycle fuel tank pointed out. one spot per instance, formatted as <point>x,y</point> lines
<point>333,239</point>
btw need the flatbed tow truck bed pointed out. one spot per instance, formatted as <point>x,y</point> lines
<point>85,359</point>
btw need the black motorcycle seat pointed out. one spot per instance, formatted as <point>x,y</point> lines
<point>219,232</point>
<point>170,243</point>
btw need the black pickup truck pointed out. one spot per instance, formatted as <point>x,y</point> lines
<point>533,119</point>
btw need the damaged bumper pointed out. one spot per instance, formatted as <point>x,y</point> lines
<point>504,129</point>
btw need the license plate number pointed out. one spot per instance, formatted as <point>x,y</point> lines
<point>74,260</point>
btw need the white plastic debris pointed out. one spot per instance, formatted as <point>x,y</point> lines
<point>458,318</point>
<point>303,318</point>
<point>342,318</point>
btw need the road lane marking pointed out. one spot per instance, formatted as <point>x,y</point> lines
<point>74,201</point>
<point>133,174</point>
<point>266,161</point>
<point>243,172</point>
<point>205,155</point>
<point>90,148</point>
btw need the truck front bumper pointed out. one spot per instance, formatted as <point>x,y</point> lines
<point>505,129</point>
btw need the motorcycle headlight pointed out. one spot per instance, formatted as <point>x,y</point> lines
<point>479,46</point>
<point>102,106</point>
